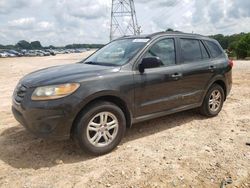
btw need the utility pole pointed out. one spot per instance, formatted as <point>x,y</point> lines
<point>123,19</point>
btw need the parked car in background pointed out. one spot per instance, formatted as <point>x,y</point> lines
<point>42,52</point>
<point>130,80</point>
<point>3,54</point>
<point>51,52</point>
<point>16,53</point>
<point>7,54</point>
<point>30,53</point>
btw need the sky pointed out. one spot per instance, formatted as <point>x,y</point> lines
<point>61,22</point>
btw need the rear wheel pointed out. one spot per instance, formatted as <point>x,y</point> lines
<point>213,101</point>
<point>100,128</point>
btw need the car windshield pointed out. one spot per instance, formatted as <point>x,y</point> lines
<point>117,53</point>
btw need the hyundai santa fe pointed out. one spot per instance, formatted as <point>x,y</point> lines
<point>131,79</point>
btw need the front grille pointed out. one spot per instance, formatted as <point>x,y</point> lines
<point>19,93</point>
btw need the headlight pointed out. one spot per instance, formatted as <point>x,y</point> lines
<point>54,91</point>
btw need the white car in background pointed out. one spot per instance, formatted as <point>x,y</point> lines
<point>4,54</point>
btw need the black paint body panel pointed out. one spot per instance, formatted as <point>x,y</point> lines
<point>147,95</point>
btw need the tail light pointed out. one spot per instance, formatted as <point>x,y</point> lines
<point>230,63</point>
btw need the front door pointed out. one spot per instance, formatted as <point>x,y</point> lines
<point>157,89</point>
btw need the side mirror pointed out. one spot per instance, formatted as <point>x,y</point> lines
<point>149,62</point>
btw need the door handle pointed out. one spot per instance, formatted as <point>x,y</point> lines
<point>211,68</point>
<point>176,76</point>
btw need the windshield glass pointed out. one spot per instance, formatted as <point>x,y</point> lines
<point>117,53</point>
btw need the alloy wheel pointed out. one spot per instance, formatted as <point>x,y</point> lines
<point>215,100</point>
<point>102,129</point>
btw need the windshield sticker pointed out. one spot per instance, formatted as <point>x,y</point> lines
<point>140,40</point>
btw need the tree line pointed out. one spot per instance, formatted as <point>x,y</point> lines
<point>36,45</point>
<point>236,45</point>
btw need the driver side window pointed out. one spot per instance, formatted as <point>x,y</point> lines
<point>165,50</point>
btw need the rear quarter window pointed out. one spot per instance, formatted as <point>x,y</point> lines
<point>213,48</point>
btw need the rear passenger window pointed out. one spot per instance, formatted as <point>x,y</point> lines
<point>203,51</point>
<point>213,48</point>
<point>190,50</point>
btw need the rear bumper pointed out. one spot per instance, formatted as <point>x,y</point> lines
<point>229,82</point>
<point>44,122</point>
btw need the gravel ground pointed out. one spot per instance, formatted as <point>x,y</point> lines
<point>180,150</point>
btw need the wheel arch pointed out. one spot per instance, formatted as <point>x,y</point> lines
<point>223,85</point>
<point>221,82</point>
<point>109,98</point>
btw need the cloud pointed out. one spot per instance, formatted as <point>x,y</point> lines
<point>60,22</point>
<point>81,9</point>
<point>87,11</point>
<point>30,24</point>
<point>45,26</point>
<point>168,3</point>
<point>239,8</point>
<point>22,23</point>
<point>215,11</point>
<point>199,11</point>
<point>159,3</point>
<point>9,6</point>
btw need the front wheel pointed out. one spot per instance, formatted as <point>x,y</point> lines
<point>213,101</point>
<point>100,128</point>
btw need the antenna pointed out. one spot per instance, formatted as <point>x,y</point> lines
<point>123,19</point>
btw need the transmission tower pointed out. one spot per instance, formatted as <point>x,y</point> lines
<point>123,19</point>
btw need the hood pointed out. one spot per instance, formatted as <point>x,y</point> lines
<point>65,73</point>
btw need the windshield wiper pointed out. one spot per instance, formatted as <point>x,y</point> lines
<point>90,62</point>
<point>99,63</point>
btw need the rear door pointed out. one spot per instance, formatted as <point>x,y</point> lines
<point>197,69</point>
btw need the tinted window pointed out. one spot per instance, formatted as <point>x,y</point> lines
<point>190,50</point>
<point>204,51</point>
<point>213,48</point>
<point>165,50</point>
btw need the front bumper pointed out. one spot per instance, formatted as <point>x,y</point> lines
<point>44,121</point>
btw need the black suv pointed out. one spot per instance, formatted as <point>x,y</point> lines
<point>131,79</point>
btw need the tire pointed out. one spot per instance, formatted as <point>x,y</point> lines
<point>93,125</point>
<point>213,101</point>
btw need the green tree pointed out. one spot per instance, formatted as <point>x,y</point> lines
<point>51,47</point>
<point>23,44</point>
<point>243,47</point>
<point>223,40</point>
<point>36,45</point>
<point>169,29</point>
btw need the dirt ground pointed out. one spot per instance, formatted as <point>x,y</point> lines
<point>180,150</point>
